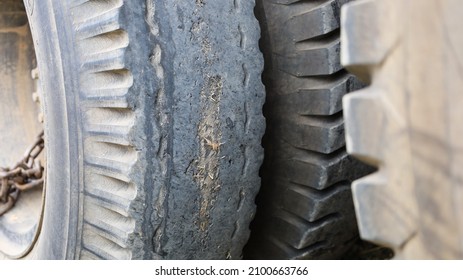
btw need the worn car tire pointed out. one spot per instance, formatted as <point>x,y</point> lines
<point>153,125</point>
<point>408,122</point>
<point>305,206</point>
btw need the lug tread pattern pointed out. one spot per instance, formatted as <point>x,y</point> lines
<point>110,158</point>
<point>305,208</point>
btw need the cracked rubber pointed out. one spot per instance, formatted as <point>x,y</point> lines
<point>153,124</point>
<point>408,123</point>
<point>305,208</point>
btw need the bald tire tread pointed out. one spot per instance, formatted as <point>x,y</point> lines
<point>153,125</point>
<point>305,208</point>
<point>408,123</point>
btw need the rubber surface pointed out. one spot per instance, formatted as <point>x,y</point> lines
<point>305,208</point>
<point>408,123</point>
<point>153,126</point>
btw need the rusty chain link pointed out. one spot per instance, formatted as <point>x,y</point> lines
<point>24,175</point>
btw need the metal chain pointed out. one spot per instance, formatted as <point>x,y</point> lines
<point>24,175</point>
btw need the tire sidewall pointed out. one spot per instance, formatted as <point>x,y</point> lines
<point>55,51</point>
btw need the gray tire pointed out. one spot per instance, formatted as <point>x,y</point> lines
<point>153,127</point>
<point>305,208</point>
<point>408,123</point>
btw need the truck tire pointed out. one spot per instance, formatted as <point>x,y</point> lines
<point>408,122</point>
<point>153,126</point>
<point>305,208</point>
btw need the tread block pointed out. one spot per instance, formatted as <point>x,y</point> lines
<point>385,213</point>
<point>326,133</point>
<point>314,22</point>
<point>301,234</point>
<point>365,118</point>
<point>311,205</point>
<point>367,35</point>
<point>314,96</point>
<point>316,170</point>
<point>324,60</point>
